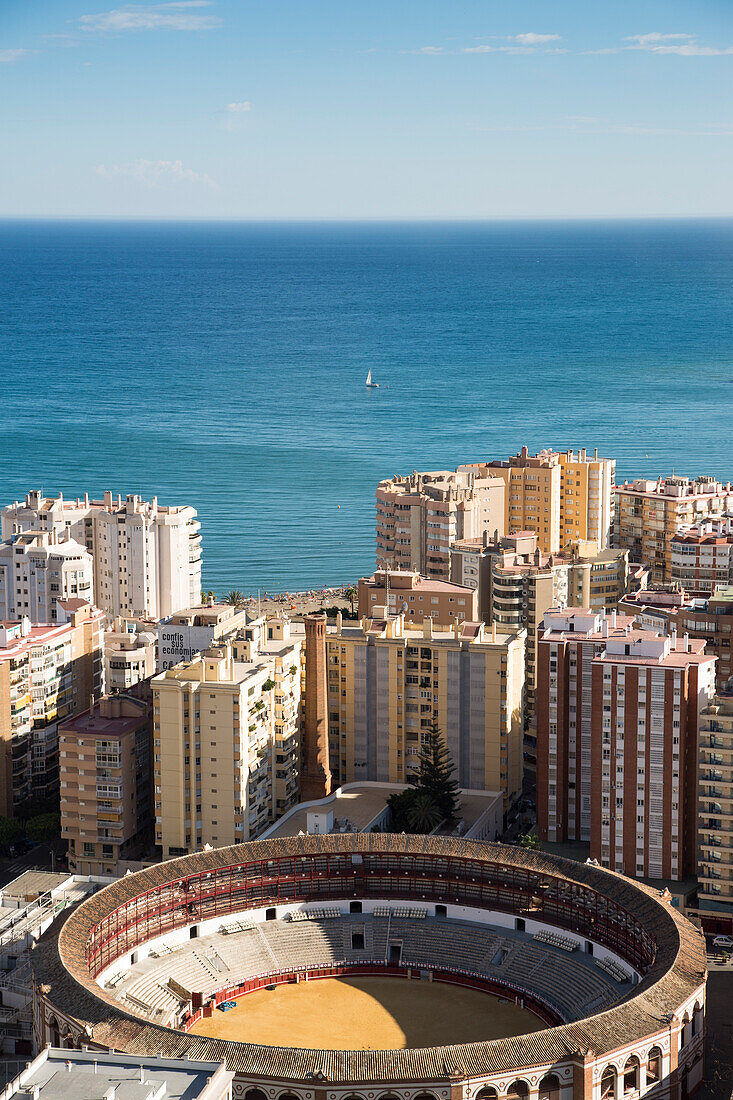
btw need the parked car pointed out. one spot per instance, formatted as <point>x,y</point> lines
<point>723,941</point>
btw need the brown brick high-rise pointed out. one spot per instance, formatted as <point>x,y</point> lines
<point>315,777</point>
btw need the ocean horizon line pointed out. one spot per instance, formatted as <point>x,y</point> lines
<point>496,219</point>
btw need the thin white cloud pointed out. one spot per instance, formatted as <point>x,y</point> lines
<point>147,17</point>
<point>239,108</point>
<point>519,44</point>
<point>684,45</point>
<point>501,49</point>
<point>156,174</point>
<point>655,36</point>
<point>531,39</point>
<point>8,56</point>
<point>659,42</point>
<point>692,49</point>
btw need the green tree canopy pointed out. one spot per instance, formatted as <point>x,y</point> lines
<point>435,773</point>
<point>10,831</point>
<point>423,815</point>
<point>235,597</point>
<point>43,827</point>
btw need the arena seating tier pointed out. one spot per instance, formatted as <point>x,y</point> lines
<point>568,981</point>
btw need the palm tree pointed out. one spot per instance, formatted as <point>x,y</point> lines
<point>423,814</point>
<point>208,597</point>
<point>351,594</point>
<point>235,597</point>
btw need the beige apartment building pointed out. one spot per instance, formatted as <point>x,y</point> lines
<point>47,673</point>
<point>226,736</point>
<point>701,557</point>
<point>715,824</point>
<point>147,558</point>
<point>130,649</point>
<point>562,496</point>
<point>104,769</point>
<point>36,570</point>
<point>417,597</point>
<point>389,681</point>
<point>516,582</point>
<point>182,635</point>
<point>649,514</point>
<point>420,515</point>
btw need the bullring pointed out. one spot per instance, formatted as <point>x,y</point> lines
<point>627,1016</point>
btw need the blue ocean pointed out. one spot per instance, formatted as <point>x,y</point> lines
<point>223,366</point>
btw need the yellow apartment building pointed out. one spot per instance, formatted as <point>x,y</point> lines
<point>226,739</point>
<point>563,496</point>
<point>388,681</point>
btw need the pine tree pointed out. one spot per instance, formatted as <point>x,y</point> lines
<point>435,773</point>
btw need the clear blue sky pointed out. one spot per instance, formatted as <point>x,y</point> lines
<point>366,108</point>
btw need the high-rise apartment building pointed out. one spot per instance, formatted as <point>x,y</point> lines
<point>227,739</point>
<point>562,496</point>
<point>617,735</point>
<point>516,582</point>
<point>104,768</point>
<point>417,597</point>
<point>147,558</point>
<point>419,516</point>
<point>649,513</point>
<point>701,557</point>
<point>569,641</point>
<point>709,619</point>
<point>182,635</point>
<point>715,807</point>
<point>648,692</point>
<point>130,649</point>
<point>388,682</point>
<point>47,673</point>
<point>36,570</point>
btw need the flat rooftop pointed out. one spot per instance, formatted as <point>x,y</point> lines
<point>362,803</point>
<point>71,1075</point>
<point>31,884</point>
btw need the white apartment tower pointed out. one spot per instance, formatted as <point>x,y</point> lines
<point>146,557</point>
<point>36,570</point>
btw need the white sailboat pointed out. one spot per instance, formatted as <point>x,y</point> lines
<point>371,385</point>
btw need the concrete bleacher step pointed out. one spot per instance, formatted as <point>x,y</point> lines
<point>567,981</point>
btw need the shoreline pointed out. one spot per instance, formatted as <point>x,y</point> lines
<point>297,603</point>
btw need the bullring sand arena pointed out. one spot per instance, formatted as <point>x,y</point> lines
<point>368,1014</point>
